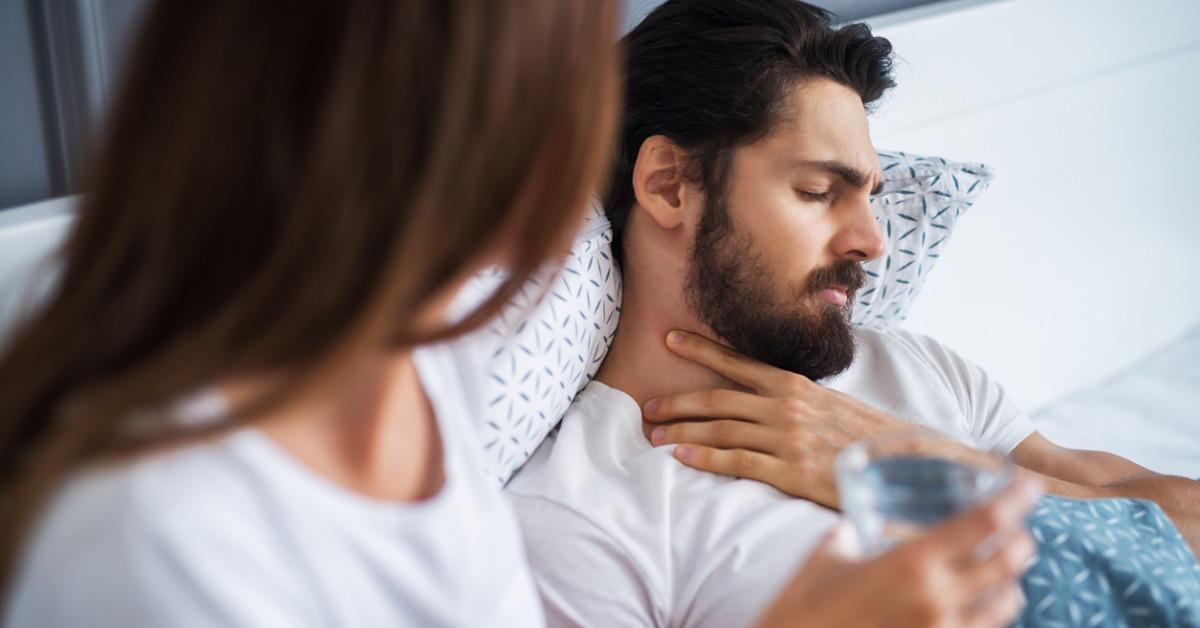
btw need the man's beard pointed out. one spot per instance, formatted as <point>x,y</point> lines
<point>730,290</point>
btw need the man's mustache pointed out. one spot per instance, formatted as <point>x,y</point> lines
<point>845,273</point>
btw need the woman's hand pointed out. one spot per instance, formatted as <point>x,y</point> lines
<point>786,432</point>
<point>945,577</point>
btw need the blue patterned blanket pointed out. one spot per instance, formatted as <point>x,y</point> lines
<point>1109,562</point>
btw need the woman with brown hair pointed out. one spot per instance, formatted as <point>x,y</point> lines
<point>222,392</point>
<point>233,409</point>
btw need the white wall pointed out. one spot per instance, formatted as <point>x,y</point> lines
<point>1082,255</point>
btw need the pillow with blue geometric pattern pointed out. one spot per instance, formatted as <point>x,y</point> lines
<point>921,201</point>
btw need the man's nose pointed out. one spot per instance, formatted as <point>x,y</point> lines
<point>861,237</point>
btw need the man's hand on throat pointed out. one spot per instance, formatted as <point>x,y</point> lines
<point>785,430</point>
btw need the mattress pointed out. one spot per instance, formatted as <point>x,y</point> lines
<point>1148,412</point>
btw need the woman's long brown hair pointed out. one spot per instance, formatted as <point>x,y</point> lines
<point>275,175</point>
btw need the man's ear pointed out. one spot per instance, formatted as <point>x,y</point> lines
<point>658,181</point>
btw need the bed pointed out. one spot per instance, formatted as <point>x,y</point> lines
<point>1067,281</point>
<point>1147,411</point>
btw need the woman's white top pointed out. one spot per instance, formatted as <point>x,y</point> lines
<point>237,532</point>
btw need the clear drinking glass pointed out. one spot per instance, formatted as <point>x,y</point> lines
<point>894,486</point>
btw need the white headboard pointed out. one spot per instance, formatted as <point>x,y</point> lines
<point>1080,257</point>
<point>29,236</point>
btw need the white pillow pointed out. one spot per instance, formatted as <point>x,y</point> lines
<point>540,355</point>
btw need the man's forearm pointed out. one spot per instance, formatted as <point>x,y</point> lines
<point>1179,497</point>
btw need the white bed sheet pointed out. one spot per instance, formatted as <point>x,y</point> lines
<point>1148,412</point>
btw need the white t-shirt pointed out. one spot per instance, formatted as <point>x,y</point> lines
<point>619,533</point>
<point>237,532</point>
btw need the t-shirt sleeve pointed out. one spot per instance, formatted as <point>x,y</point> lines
<point>993,419</point>
<point>583,575</point>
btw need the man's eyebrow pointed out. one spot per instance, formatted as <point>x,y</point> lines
<point>848,173</point>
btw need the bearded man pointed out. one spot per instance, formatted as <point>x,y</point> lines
<point>740,205</point>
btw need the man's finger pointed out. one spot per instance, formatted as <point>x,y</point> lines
<point>740,463</point>
<point>963,535</point>
<point>720,433</point>
<point>713,404</point>
<point>733,365</point>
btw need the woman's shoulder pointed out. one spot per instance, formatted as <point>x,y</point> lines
<point>159,496</point>
<point>161,488</point>
<point>152,524</point>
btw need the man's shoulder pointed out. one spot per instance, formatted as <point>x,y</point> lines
<point>921,375</point>
<point>597,436</point>
<point>894,344</point>
<point>893,337</point>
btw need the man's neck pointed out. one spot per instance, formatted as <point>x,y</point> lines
<point>639,362</point>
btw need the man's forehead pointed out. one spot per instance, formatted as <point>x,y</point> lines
<point>804,153</point>
<point>824,123</point>
<point>857,176</point>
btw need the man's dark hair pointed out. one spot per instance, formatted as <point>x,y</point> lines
<point>712,75</point>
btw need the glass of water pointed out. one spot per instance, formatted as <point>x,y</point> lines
<point>894,486</point>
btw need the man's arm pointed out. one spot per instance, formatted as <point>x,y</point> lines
<point>1096,474</point>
